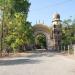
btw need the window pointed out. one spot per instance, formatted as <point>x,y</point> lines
<point>54,26</point>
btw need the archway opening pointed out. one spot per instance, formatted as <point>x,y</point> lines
<point>40,41</point>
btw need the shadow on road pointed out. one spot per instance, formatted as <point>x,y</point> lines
<point>28,59</point>
<point>18,61</point>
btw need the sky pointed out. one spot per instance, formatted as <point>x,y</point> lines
<point>42,10</point>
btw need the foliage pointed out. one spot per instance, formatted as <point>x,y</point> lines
<point>68,32</point>
<point>41,40</point>
<point>19,30</point>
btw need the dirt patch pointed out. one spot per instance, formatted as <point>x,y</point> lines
<point>15,55</point>
<point>71,56</point>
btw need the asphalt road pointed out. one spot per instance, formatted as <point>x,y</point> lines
<point>38,64</point>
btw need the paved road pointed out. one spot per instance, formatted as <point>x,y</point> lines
<point>38,64</point>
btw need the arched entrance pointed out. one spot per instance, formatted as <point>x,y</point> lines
<point>45,31</point>
<point>40,41</point>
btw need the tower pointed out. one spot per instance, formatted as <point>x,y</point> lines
<point>57,31</point>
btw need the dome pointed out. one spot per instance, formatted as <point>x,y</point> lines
<point>56,16</point>
<point>41,27</point>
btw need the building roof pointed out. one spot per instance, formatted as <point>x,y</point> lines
<point>41,27</point>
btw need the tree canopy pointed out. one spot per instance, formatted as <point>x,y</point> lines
<point>68,32</point>
<point>18,29</point>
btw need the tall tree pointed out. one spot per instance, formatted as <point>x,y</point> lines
<point>19,29</point>
<point>68,33</point>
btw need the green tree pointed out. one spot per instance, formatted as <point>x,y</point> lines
<point>19,30</point>
<point>41,40</point>
<point>68,32</point>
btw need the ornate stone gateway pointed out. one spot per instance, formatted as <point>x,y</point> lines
<point>43,29</point>
<point>53,34</point>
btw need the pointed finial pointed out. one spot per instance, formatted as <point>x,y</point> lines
<point>36,21</point>
<point>39,21</point>
<point>43,21</point>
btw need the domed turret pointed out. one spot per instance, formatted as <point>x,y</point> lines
<point>56,16</point>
